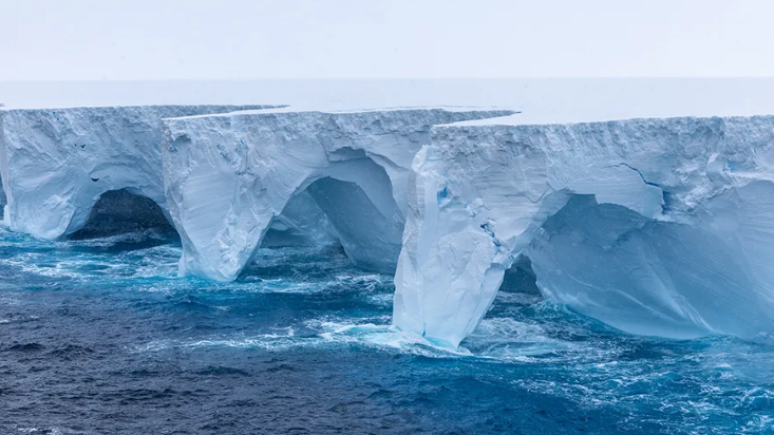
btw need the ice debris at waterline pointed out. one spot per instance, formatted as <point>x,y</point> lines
<point>657,227</point>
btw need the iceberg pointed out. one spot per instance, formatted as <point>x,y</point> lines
<point>655,226</point>
<point>230,177</point>
<point>56,163</point>
<point>659,227</point>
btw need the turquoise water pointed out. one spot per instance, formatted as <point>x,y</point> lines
<point>101,336</point>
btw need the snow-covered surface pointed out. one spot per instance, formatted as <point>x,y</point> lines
<point>55,163</point>
<point>655,226</point>
<point>229,177</point>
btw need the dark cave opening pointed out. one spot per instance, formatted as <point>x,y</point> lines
<point>120,211</point>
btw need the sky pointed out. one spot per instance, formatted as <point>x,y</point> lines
<point>315,39</point>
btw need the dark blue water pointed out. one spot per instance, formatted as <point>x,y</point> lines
<point>101,337</point>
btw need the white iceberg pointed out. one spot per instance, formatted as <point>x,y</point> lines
<point>661,226</point>
<point>655,226</point>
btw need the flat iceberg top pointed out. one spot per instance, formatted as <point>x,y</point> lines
<point>602,100</point>
<point>289,110</point>
<point>154,107</point>
<point>541,101</point>
<point>522,120</point>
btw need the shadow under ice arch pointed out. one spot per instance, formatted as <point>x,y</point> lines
<point>658,227</point>
<point>121,211</point>
<point>230,176</point>
<point>357,198</point>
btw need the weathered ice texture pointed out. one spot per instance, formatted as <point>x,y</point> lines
<point>229,176</point>
<point>56,163</point>
<point>655,226</point>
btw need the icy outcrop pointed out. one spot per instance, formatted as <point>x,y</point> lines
<point>655,226</point>
<point>56,163</point>
<point>229,177</point>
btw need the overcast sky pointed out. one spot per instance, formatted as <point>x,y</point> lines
<point>253,39</point>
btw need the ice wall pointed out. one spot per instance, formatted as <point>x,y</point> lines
<point>56,163</point>
<point>230,176</point>
<point>655,226</point>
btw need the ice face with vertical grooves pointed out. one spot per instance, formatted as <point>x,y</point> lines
<point>56,163</point>
<point>655,226</point>
<point>230,176</point>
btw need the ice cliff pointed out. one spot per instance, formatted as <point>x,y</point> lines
<point>229,177</point>
<point>660,226</point>
<point>56,163</point>
<point>655,226</point>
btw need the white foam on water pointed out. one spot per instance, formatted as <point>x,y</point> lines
<point>106,241</point>
<point>493,342</point>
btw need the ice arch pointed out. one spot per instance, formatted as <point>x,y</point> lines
<point>356,210</point>
<point>657,192</point>
<point>229,176</point>
<point>357,198</point>
<point>56,163</point>
<point>650,277</point>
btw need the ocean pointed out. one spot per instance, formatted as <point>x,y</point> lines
<point>100,336</point>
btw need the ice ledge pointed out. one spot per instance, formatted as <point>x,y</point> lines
<point>288,109</point>
<point>530,119</point>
